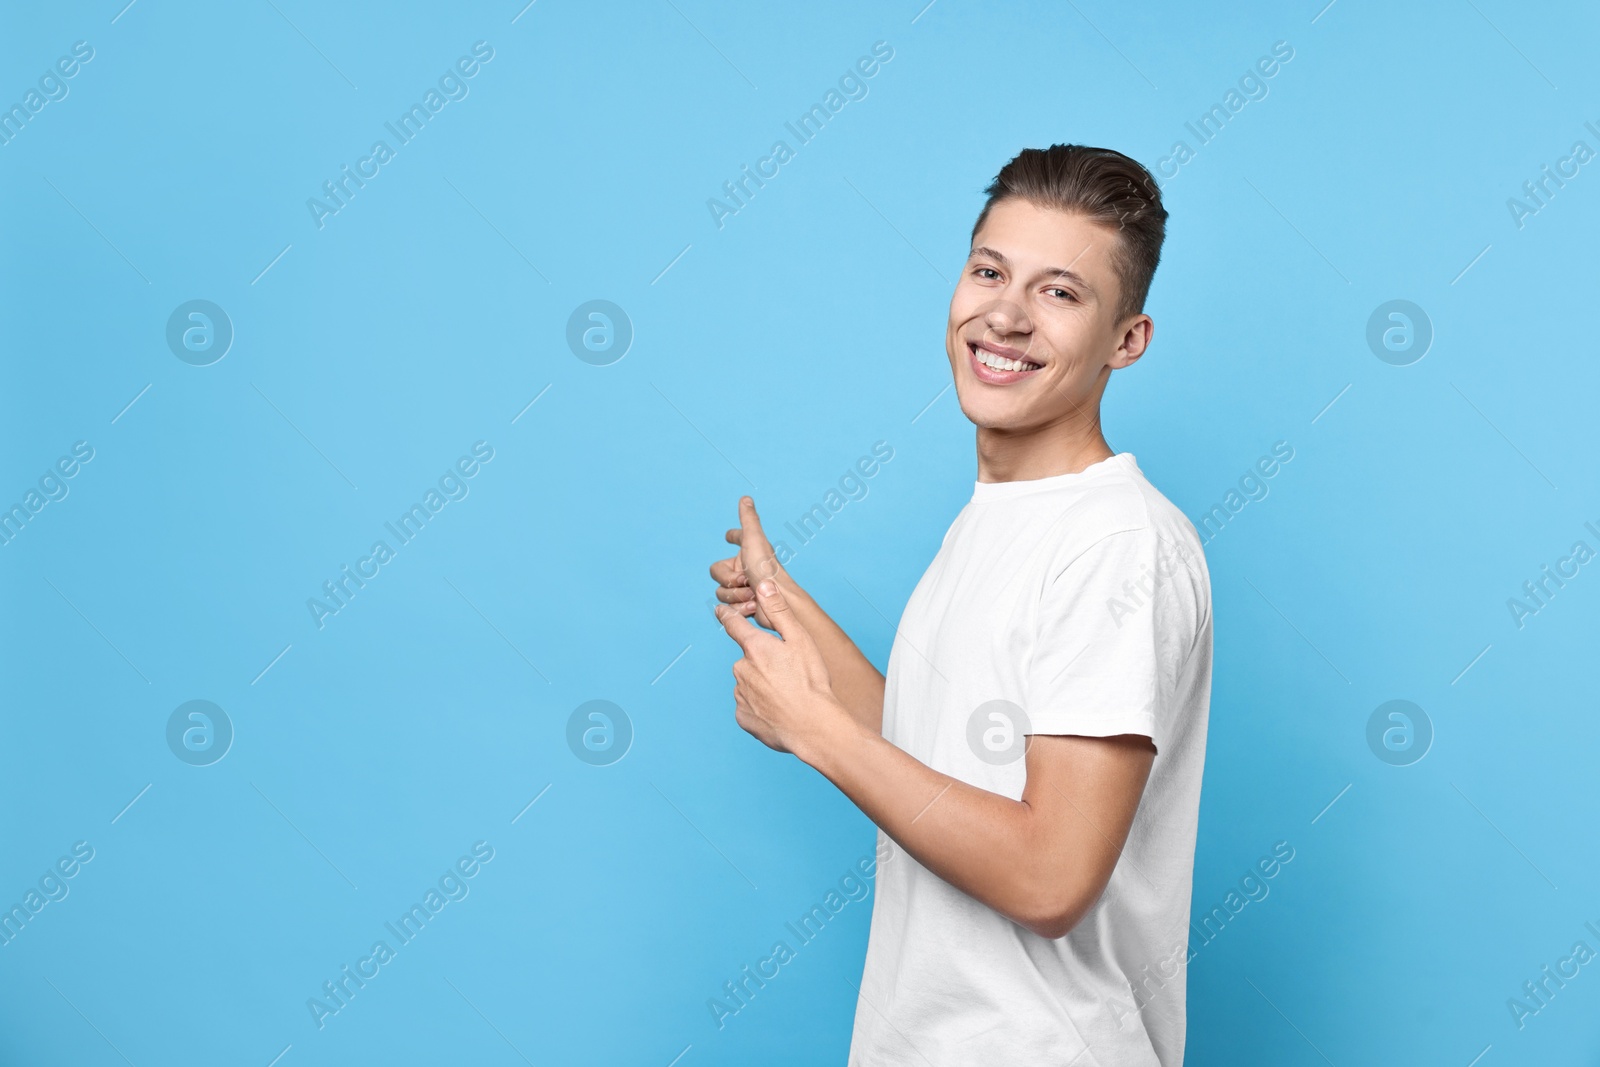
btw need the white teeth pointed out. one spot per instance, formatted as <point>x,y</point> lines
<point>989,359</point>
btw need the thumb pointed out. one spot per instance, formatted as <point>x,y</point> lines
<point>773,602</point>
<point>759,560</point>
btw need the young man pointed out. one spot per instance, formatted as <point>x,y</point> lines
<point>1036,748</point>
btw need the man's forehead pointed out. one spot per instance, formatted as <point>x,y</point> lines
<point>1045,240</point>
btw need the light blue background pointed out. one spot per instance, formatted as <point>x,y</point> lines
<point>428,313</point>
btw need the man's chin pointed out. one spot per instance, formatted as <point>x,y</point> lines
<point>988,415</point>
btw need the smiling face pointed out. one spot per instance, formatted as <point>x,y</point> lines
<point>1033,334</point>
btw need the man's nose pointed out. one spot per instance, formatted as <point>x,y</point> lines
<point>1006,316</point>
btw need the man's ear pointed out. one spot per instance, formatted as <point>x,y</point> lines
<point>1135,339</point>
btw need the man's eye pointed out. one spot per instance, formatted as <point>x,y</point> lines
<point>983,272</point>
<point>1063,292</point>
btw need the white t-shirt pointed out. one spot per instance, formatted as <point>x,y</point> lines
<point>1074,604</point>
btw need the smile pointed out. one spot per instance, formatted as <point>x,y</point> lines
<point>997,369</point>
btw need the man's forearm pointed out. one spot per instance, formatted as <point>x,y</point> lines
<point>856,682</point>
<point>982,843</point>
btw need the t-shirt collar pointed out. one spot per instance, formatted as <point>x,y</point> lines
<point>985,492</point>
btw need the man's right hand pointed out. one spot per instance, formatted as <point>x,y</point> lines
<point>736,576</point>
<point>858,685</point>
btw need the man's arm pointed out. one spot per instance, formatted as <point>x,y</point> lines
<point>1041,861</point>
<point>856,682</point>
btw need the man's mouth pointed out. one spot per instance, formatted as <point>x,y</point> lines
<point>999,369</point>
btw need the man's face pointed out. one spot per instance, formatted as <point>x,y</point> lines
<point>1038,290</point>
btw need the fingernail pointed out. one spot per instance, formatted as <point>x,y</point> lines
<point>767,588</point>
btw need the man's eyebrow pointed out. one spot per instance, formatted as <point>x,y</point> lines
<point>1055,272</point>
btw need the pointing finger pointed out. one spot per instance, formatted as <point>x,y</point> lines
<point>772,601</point>
<point>757,550</point>
<point>750,524</point>
<point>734,623</point>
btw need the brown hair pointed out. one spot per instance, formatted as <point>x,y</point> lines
<point>1103,186</point>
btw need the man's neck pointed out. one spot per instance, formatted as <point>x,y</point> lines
<point>1006,456</point>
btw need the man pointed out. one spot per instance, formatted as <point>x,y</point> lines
<point>1036,749</point>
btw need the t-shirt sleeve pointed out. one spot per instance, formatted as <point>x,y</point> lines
<point>1115,626</point>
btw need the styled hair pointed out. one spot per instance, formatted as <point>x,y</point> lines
<point>1102,186</point>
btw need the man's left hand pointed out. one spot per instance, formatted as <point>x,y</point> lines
<point>782,693</point>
